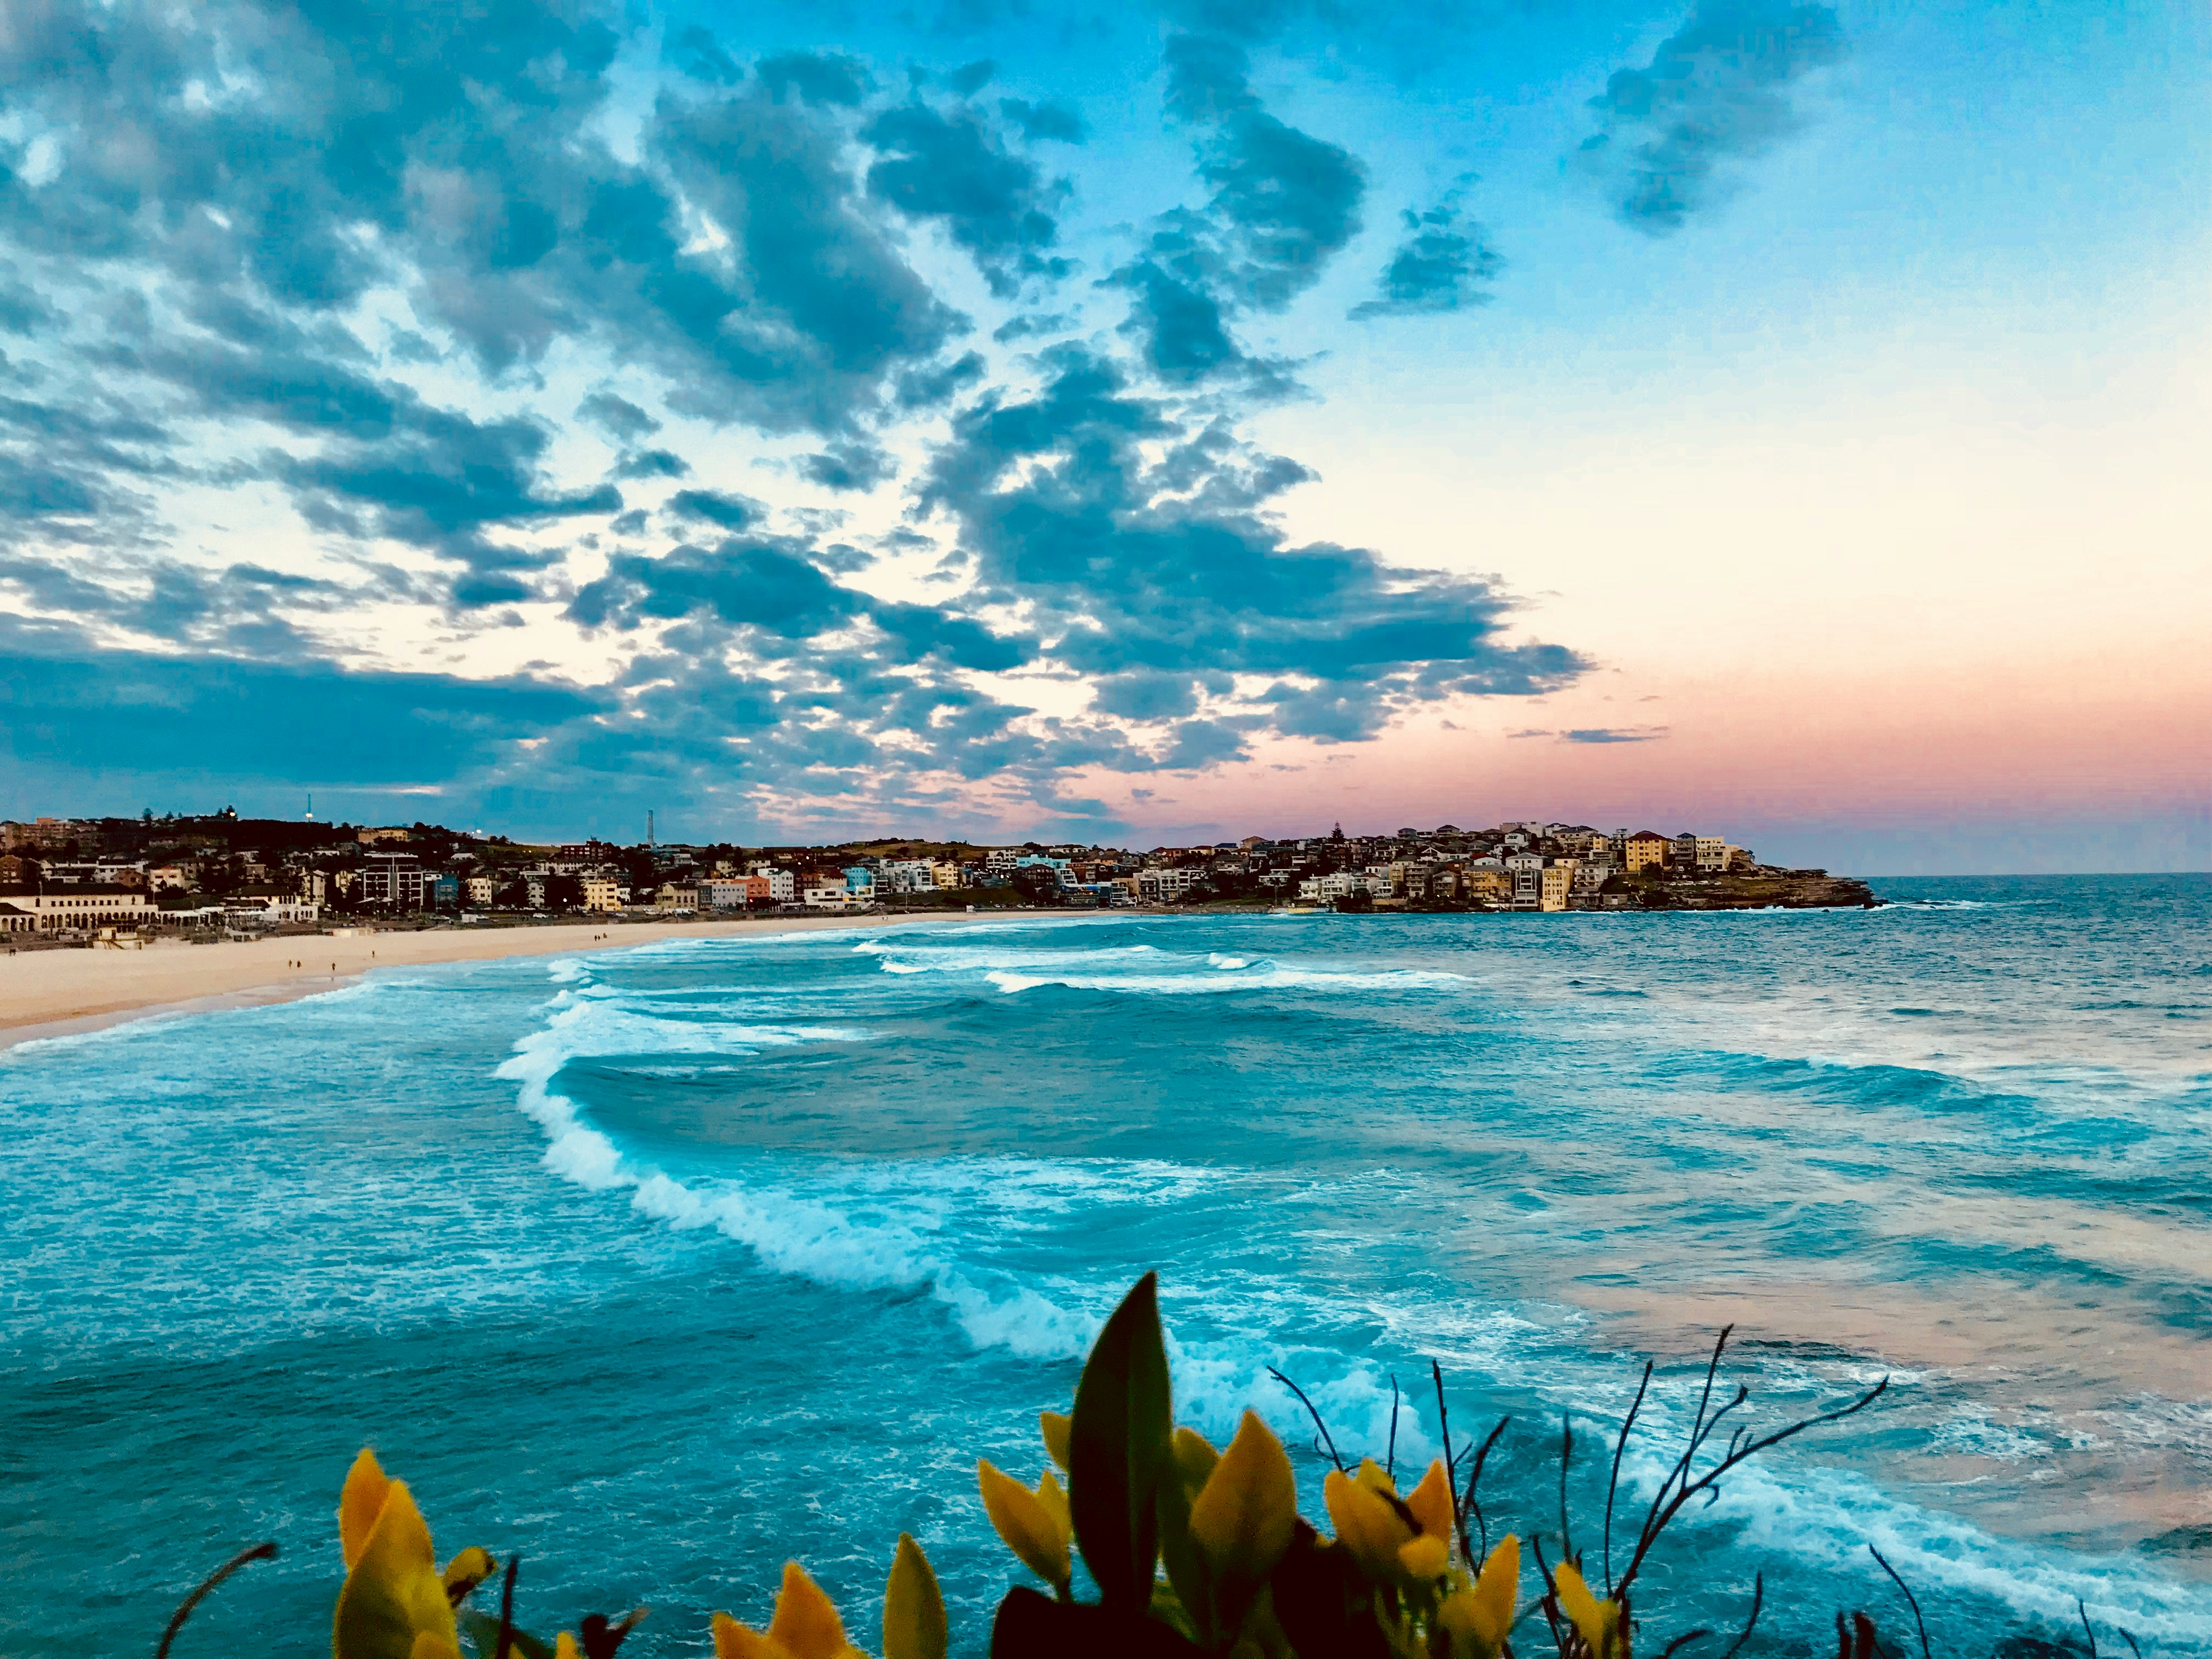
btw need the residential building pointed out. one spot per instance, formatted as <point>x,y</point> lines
<point>1712,853</point>
<point>947,875</point>
<point>782,884</point>
<point>391,881</point>
<point>1645,849</point>
<point>1166,886</point>
<point>601,893</point>
<point>682,898</point>
<point>377,837</point>
<point>481,891</point>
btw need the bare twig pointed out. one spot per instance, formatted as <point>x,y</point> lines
<point>1566,1456</point>
<point>1326,1439</point>
<point>1613,1485</point>
<point>1451,1462</point>
<point>1468,1505</point>
<point>1687,1488</point>
<point>253,1552</point>
<point>1390,1460</point>
<point>1551,1601</point>
<point>1913,1601</point>
<point>1667,1651</point>
<point>2082,1609</point>
<point>1758,1600</point>
<point>507,1608</point>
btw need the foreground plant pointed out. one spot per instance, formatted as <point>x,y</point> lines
<point>1193,1551</point>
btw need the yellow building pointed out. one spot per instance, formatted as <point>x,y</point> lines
<point>1645,849</point>
<point>601,893</point>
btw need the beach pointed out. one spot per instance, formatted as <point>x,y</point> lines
<point>55,993</point>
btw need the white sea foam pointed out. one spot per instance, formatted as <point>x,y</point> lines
<point>824,1242</point>
<point>1209,984</point>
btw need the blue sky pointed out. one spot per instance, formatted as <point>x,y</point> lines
<point>1131,423</point>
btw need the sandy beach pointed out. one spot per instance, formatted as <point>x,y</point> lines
<point>54,993</point>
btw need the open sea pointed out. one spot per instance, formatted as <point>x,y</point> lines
<point>665,1264</point>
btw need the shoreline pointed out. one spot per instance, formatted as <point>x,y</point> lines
<point>50,993</point>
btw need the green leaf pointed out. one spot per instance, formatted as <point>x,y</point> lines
<point>1118,1445</point>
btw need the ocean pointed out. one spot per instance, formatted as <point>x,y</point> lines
<point>663,1265</point>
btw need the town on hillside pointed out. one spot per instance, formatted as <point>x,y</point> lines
<point>71,880</point>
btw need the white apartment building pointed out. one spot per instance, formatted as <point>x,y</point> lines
<point>480,889</point>
<point>782,885</point>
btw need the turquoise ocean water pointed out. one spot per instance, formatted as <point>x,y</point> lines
<point>664,1264</point>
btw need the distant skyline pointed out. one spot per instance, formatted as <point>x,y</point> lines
<point>1118,424</point>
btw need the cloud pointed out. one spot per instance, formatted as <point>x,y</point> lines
<point>1716,92</point>
<point>298,308</point>
<point>198,721</point>
<point>1163,579</point>
<point>1284,204</point>
<point>825,78</point>
<point>1442,264</point>
<point>955,168</point>
<point>1614,734</point>
<point>618,417</point>
<point>847,467</point>
<point>731,512</point>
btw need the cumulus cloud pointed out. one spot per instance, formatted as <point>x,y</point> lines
<point>428,310</point>
<point>1717,92</point>
<point>1442,264</point>
<point>1284,204</point>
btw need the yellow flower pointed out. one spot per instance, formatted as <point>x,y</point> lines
<point>1425,1557</point>
<point>1059,1437</point>
<point>465,1572</point>
<point>1366,1521</point>
<point>1432,1501</point>
<point>393,1604</point>
<point>1244,1514</point>
<point>806,1626</point>
<point>1480,1616</point>
<point>1195,1457</point>
<point>1036,1525</point>
<point>1598,1622</point>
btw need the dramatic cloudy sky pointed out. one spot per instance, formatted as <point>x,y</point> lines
<point>1132,422</point>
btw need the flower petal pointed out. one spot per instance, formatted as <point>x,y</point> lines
<point>1424,1557</point>
<point>1031,1530</point>
<point>1244,1514</point>
<point>366,1483</point>
<point>1059,1429</point>
<point>393,1605</point>
<point>914,1607</point>
<point>1432,1501</point>
<point>735,1641</point>
<point>1598,1622</point>
<point>1366,1525</point>
<point>805,1625</point>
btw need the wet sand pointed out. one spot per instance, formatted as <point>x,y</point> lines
<point>54,993</point>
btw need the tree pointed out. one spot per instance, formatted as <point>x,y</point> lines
<point>564,893</point>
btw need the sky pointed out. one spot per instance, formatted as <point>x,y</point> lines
<point>1142,423</point>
